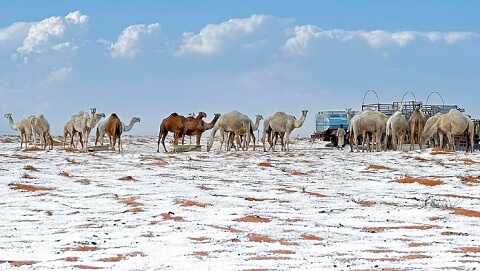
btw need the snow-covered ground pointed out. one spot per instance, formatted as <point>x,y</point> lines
<point>313,208</point>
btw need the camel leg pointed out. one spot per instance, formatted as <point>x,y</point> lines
<point>394,141</point>
<point>263,142</point>
<point>285,139</point>
<point>164,135</point>
<point>81,139</point>
<point>159,137</point>
<point>451,141</point>
<point>198,139</point>
<point>239,142</point>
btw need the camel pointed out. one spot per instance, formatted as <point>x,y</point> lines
<point>41,126</point>
<point>174,123</point>
<point>455,123</point>
<point>82,123</point>
<point>431,130</point>
<point>417,123</point>
<point>235,122</point>
<point>23,128</point>
<point>283,124</point>
<point>367,122</point>
<point>100,133</point>
<point>113,129</point>
<point>254,127</point>
<point>397,129</point>
<point>195,126</point>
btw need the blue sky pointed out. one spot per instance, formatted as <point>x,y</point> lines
<point>150,58</point>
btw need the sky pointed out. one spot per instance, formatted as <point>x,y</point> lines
<point>151,58</point>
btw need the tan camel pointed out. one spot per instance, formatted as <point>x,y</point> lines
<point>254,127</point>
<point>237,123</point>
<point>283,124</point>
<point>431,130</point>
<point>417,123</point>
<point>368,122</point>
<point>397,129</point>
<point>113,129</point>
<point>82,123</point>
<point>455,123</point>
<point>42,128</point>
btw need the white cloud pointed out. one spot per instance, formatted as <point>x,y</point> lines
<point>59,74</point>
<point>64,46</point>
<point>303,36</point>
<point>42,33</point>
<point>128,41</point>
<point>15,31</point>
<point>212,37</point>
<point>76,17</point>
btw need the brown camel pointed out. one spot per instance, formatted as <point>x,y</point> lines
<point>174,123</point>
<point>196,126</point>
<point>113,129</point>
<point>417,123</point>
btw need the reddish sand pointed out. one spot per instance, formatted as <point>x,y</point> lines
<point>253,219</point>
<point>190,203</point>
<point>29,187</point>
<point>422,181</point>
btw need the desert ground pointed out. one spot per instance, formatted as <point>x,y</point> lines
<point>313,208</point>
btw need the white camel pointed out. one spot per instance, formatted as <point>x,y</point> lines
<point>235,122</point>
<point>431,130</point>
<point>254,127</point>
<point>455,123</point>
<point>23,128</point>
<point>83,123</point>
<point>397,129</point>
<point>41,127</point>
<point>368,122</point>
<point>100,133</point>
<point>282,124</point>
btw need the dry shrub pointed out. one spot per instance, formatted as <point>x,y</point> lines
<point>30,168</point>
<point>470,180</point>
<point>127,178</point>
<point>419,180</point>
<point>64,173</point>
<point>264,164</point>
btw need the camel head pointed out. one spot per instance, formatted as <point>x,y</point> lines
<point>7,115</point>
<point>135,119</point>
<point>201,115</point>
<point>259,117</point>
<point>304,113</point>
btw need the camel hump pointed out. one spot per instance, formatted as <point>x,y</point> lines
<point>174,114</point>
<point>114,115</point>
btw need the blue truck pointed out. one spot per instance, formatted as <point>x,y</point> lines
<point>327,124</point>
